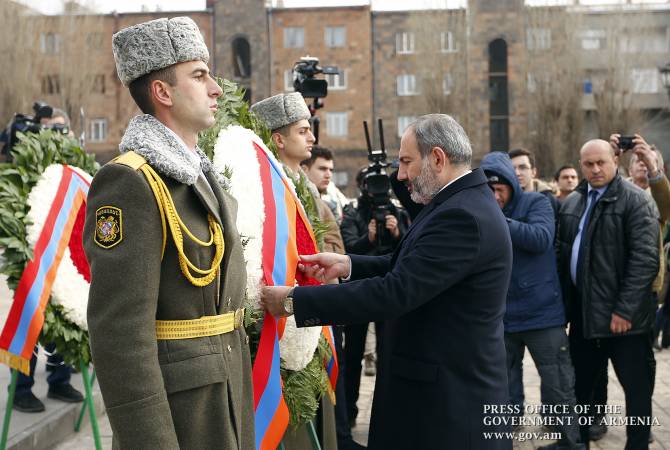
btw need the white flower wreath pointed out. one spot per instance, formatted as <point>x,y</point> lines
<point>70,289</point>
<point>234,153</point>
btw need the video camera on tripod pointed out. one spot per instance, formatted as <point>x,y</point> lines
<point>376,184</point>
<point>304,82</point>
<point>29,124</point>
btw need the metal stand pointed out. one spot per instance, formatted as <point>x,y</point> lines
<point>91,407</point>
<point>313,437</point>
<point>8,409</point>
<point>77,425</point>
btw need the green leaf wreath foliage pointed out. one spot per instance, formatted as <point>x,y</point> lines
<point>303,389</point>
<point>33,153</point>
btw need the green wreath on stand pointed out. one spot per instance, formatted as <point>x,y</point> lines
<point>303,389</point>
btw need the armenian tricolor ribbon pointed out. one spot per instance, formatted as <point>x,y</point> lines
<point>279,262</point>
<point>26,315</point>
<point>331,363</point>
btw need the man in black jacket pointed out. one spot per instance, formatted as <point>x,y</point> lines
<point>443,379</point>
<point>608,259</point>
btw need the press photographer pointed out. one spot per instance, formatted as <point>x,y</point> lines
<point>373,225</point>
<point>45,118</point>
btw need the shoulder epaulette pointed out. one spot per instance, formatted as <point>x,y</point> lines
<point>130,159</point>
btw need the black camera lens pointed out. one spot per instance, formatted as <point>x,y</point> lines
<point>626,143</point>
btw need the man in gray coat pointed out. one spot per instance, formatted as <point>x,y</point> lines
<point>167,269</point>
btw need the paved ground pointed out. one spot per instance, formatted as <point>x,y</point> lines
<point>613,440</point>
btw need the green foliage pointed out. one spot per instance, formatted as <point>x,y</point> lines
<point>71,341</point>
<point>33,153</point>
<point>303,389</point>
<point>233,110</point>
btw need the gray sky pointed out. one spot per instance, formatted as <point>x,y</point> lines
<point>54,7</point>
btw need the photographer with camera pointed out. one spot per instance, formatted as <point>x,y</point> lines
<point>373,225</point>
<point>45,118</point>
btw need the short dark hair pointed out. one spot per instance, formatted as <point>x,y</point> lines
<point>318,152</point>
<point>557,175</point>
<point>523,152</point>
<point>140,89</point>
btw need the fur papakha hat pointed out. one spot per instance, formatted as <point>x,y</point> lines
<point>157,44</point>
<point>281,110</point>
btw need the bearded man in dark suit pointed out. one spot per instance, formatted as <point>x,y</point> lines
<point>442,294</point>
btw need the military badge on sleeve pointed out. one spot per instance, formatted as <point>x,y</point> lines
<point>108,226</point>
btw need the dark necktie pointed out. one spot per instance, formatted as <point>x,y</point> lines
<point>593,196</point>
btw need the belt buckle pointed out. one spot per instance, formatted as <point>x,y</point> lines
<point>239,318</point>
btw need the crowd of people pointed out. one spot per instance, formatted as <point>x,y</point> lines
<point>593,260</point>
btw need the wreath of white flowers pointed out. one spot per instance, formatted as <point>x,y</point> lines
<point>234,153</point>
<point>70,288</point>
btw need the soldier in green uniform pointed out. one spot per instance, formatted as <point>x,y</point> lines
<point>167,270</point>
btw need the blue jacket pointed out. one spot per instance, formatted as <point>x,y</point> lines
<point>534,297</point>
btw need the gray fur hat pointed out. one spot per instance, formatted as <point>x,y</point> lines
<point>157,44</point>
<point>281,109</point>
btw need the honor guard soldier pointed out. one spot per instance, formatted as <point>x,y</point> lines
<point>167,270</point>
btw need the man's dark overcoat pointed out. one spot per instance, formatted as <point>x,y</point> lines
<point>442,294</point>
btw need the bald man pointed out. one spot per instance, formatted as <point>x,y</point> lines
<point>608,260</point>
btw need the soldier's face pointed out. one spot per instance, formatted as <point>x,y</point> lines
<point>194,96</point>
<point>296,145</point>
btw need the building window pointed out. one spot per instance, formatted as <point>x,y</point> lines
<point>98,84</point>
<point>294,37</point>
<point>337,124</point>
<point>594,39</point>
<point>50,43</point>
<point>404,42</point>
<point>447,42</point>
<point>498,101</point>
<point>645,81</point>
<point>241,58</point>
<point>447,83</point>
<point>651,40</point>
<point>406,85</point>
<point>538,38</point>
<point>335,36</point>
<point>288,80</point>
<point>337,81</point>
<point>531,84</point>
<point>340,178</point>
<point>98,130</point>
<point>403,123</point>
<point>94,41</point>
<point>51,84</point>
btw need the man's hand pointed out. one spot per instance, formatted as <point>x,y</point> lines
<point>325,266</point>
<point>619,325</point>
<point>646,155</point>
<point>614,143</point>
<point>372,231</point>
<point>272,299</point>
<point>392,226</point>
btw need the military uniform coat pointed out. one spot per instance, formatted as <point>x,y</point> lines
<point>168,394</point>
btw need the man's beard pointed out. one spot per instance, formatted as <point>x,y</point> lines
<point>426,185</point>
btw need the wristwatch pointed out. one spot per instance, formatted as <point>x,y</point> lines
<point>288,302</point>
